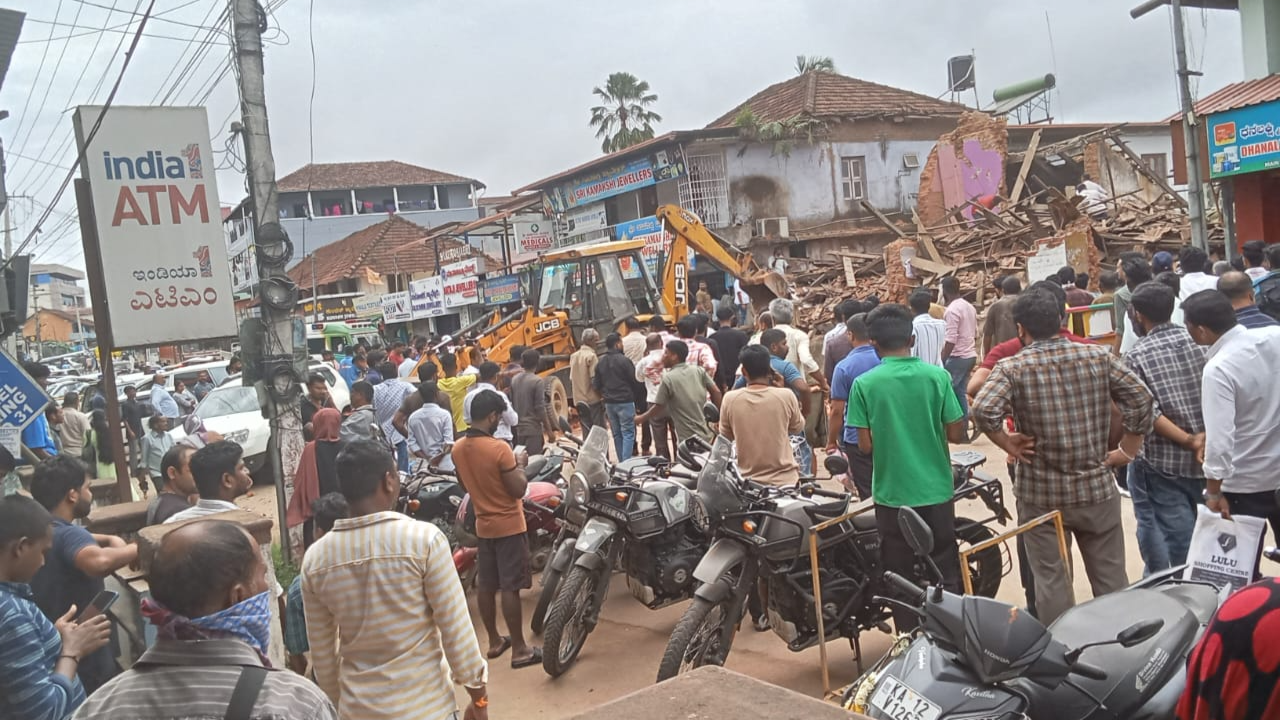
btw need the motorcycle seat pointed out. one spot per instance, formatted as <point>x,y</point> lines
<point>1201,600</point>
<point>865,521</point>
<point>535,466</point>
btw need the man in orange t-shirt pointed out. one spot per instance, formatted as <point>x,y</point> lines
<point>494,476</point>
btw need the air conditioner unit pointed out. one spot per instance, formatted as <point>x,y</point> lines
<point>911,161</point>
<point>772,227</point>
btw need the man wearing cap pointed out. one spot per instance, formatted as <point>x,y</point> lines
<point>1161,262</point>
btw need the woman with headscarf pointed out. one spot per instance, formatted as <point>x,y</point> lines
<point>317,473</point>
<point>1234,671</point>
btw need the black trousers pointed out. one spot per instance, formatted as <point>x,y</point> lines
<point>1258,504</point>
<point>644,433</point>
<point>860,468</point>
<point>896,555</point>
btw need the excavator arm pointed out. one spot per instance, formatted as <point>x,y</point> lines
<point>688,233</point>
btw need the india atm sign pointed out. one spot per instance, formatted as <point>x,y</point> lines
<point>1243,141</point>
<point>159,231</point>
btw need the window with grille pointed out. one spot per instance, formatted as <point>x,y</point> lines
<point>853,177</point>
<point>705,189</point>
<point>1158,163</point>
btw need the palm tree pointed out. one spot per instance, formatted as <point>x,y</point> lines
<point>623,117</point>
<point>814,63</point>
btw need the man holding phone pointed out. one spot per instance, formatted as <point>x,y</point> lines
<point>38,658</point>
<point>78,561</point>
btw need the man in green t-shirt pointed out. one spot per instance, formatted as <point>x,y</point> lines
<point>906,412</point>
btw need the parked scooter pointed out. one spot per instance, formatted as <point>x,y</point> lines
<point>982,658</point>
<point>639,513</point>
<point>762,546</point>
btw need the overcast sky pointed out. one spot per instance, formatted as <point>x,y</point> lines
<point>499,90</point>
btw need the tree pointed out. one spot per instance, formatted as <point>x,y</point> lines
<point>623,117</point>
<point>814,63</point>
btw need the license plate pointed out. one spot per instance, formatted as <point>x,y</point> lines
<point>899,702</point>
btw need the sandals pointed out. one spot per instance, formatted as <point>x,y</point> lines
<point>534,659</point>
<point>502,649</point>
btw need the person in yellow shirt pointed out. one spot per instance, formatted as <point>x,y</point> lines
<point>455,386</point>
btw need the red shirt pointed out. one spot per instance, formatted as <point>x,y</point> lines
<point>1013,346</point>
<point>395,357</point>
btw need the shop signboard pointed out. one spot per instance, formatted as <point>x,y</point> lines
<point>613,180</point>
<point>395,308</point>
<point>535,236</point>
<point>649,229</point>
<point>160,239</point>
<point>426,297</point>
<point>584,220</point>
<point>368,306</point>
<point>502,289</point>
<point>668,165</point>
<point>1243,141</point>
<point>470,266</point>
<point>454,253</point>
<point>461,291</point>
<point>331,310</point>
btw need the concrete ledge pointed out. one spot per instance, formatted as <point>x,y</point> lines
<point>149,537</point>
<point>104,491</point>
<point>123,519</point>
<point>713,692</point>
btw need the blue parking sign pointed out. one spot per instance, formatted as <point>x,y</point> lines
<point>21,399</point>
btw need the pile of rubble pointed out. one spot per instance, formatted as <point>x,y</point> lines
<point>995,234</point>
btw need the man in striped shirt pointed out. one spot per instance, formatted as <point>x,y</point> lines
<point>38,659</point>
<point>384,606</point>
<point>928,330</point>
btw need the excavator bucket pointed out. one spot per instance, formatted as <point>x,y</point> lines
<point>764,286</point>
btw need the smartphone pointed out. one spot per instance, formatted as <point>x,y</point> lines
<point>100,604</point>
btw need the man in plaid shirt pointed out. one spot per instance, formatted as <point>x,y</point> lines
<point>1059,394</point>
<point>1166,480</point>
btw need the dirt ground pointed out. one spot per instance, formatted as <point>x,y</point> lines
<point>622,654</point>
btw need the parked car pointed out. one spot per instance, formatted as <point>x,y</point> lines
<point>232,410</point>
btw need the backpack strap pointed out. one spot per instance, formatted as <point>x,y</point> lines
<point>246,692</point>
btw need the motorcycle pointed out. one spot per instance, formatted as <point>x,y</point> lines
<point>542,500</point>
<point>977,657</point>
<point>432,495</point>
<point>762,546</point>
<point>639,514</point>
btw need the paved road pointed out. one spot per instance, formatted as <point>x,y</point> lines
<point>622,654</point>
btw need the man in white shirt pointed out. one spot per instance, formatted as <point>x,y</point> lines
<point>1241,409</point>
<point>432,428</point>
<point>1193,262</point>
<point>488,376</point>
<point>783,313</point>
<point>928,331</point>
<point>649,371</point>
<point>1254,253</point>
<point>741,300</point>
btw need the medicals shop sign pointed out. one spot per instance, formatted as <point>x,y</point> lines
<point>1245,140</point>
<point>160,236</point>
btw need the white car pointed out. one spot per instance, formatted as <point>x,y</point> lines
<point>232,410</point>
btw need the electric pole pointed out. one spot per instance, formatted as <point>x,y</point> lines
<point>278,393</point>
<point>1190,135</point>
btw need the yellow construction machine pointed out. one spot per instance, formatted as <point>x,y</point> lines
<point>600,285</point>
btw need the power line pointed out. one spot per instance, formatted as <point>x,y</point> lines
<point>93,131</point>
<point>22,117</point>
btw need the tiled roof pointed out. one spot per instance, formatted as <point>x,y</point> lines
<point>828,96</point>
<point>1236,96</point>
<point>358,175</point>
<point>86,315</point>
<point>392,246</point>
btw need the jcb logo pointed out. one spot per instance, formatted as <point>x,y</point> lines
<point>682,284</point>
<point>547,325</point>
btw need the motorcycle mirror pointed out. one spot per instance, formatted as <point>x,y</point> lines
<point>1139,632</point>
<point>916,532</point>
<point>836,465</point>
<point>711,413</point>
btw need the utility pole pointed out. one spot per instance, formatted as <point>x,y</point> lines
<point>277,344</point>
<point>1190,135</point>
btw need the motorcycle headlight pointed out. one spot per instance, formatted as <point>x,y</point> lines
<point>578,491</point>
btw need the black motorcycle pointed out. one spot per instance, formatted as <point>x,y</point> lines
<point>977,657</point>
<point>762,546</point>
<point>638,514</point>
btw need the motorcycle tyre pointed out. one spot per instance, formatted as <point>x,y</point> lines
<point>550,585</point>
<point>986,567</point>
<point>562,611</point>
<point>692,620</point>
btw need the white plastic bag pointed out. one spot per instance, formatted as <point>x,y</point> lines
<point>1224,551</point>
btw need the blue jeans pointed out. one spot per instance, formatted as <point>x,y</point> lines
<point>960,369</point>
<point>402,456</point>
<point>1165,507</point>
<point>622,421</point>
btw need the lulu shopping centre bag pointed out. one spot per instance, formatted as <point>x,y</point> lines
<point>1224,551</point>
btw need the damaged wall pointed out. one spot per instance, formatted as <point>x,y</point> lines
<point>967,163</point>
